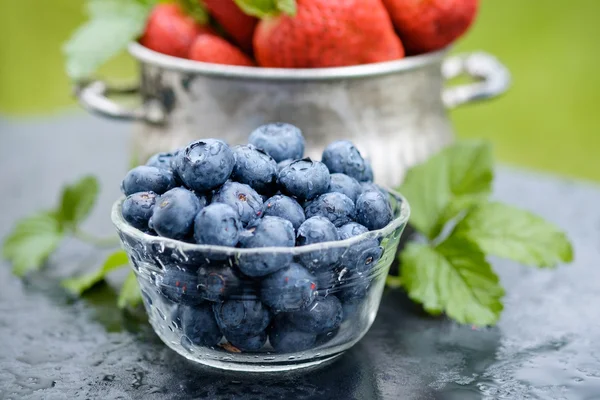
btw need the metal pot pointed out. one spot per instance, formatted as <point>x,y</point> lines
<point>395,112</point>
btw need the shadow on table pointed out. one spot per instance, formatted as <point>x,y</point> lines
<point>349,377</point>
<point>435,357</point>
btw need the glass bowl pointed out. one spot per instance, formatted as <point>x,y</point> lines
<point>322,302</point>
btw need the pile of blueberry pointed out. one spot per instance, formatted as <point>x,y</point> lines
<point>264,194</point>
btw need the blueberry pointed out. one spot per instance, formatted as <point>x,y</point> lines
<point>327,280</point>
<point>354,287</point>
<point>241,317</point>
<point>203,200</point>
<point>362,256</point>
<point>284,207</point>
<point>343,157</point>
<point>161,160</point>
<point>254,167</point>
<point>371,187</point>
<point>137,209</point>
<point>282,164</point>
<point>373,210</point>
<point>266,232</point>
<point>180,286</point>
<point>222,282</point>
<point>248,343</point>
<point>286,338</point>
<point>217,224</point>
<point>318,230</point>
<point>205,164</point>
<point>324,315</point>
<point>242,198</point>
<point>304,179</point>
<point>148,179</point>
<point>280,141</point>
<point>345,184</point>
<point>200,326</point>
<point>351,309</point>
<point>174,213</point>
<point>326,337</point>
<point>351,229</point>
<point>290,289</point>
<point>336,207</point>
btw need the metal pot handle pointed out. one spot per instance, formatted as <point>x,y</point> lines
<point>93,96</point>
<point>492,77</point>
<point>493,80</point>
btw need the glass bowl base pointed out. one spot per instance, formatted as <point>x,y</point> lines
<point>292,365</point>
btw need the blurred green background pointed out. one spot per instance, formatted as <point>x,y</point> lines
<point>547,121</point>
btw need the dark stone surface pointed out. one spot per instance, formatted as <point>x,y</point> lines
<point>546,346</point>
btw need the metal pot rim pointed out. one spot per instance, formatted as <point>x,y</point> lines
<point>164,61</point>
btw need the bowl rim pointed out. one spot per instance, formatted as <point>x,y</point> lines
<point>142,237</point>
<point>154,58</point>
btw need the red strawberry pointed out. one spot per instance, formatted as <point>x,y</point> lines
<point>427,25</point>
<point>235,22</point>
<point>328,33</point>
<point>214,49</point>
<point>170,31</point>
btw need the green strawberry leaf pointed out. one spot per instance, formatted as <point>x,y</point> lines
<point>451,181</point>
<point>287,7</point>
<point>81,284</point>
<point>519,235</point>
<point>112,25</point>
<point>130,295</point>
<point>267,8</point>
<point>77,201</point>
<point>453,277</point>
<point>196,10</point>
<point>32,241</point>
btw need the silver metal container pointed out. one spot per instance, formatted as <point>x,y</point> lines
<point>395,112</point>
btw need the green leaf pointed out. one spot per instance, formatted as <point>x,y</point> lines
<point>196,10</point>
<point>470,167</point>
<point>83,283</point>
<point>130,295</point>
<point>427,189</point>
<point>453,277</point>
<point>112,25</point>
<point>266,8</point>
<point>287,6</point>
<point>77,201</point>
<point>32,241</point>
<point>451,181</point>
<point>519,235</point>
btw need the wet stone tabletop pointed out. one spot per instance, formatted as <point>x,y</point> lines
<point>546,346</point>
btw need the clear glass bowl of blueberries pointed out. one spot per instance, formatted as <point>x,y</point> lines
<point>253,258</point>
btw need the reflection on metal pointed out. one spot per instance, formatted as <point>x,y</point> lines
<point>395,112</point>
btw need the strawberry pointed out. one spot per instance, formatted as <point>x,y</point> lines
<point>236,23</point>
<point>328,33</point>
<point>214,49</point>
<point>427,25</point>
<point>170,31</point>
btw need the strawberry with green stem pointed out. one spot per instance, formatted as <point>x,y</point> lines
<point>327,33</point>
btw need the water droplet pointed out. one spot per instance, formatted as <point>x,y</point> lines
<point>186,343</point>
<point>138,377</point>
